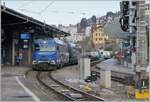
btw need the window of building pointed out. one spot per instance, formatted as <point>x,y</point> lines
<point>100,39</point>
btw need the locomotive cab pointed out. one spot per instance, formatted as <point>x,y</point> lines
<point>44,55</point>
<point>49,54</point>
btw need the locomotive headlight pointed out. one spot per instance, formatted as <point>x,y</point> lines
<point>34,62</point>
<point>53,62</point>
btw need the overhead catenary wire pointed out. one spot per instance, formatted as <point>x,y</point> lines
<point>43,10</point>
<point>55,11</point>
<point>69,12</point>
<point>29,11</point>
<point>38,13</point>
<point>46,7</point>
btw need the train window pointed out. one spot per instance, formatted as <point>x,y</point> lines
<point>47,47</point>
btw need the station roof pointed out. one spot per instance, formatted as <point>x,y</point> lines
<point>10,14</point>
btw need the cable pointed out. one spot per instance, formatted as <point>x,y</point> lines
<point>38,13</point>
<point>47,7</point>
<point>69,12</point>
<point>30,11</point>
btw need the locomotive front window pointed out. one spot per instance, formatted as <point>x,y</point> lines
<point>47,47</point>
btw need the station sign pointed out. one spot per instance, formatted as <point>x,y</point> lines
<point>25,36</point>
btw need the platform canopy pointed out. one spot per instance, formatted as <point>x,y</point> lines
<point>13,19</point>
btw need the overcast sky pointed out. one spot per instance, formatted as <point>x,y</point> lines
<point>62,12</point>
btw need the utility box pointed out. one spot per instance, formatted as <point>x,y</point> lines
<point>85,68</point>
<point>105,80</point>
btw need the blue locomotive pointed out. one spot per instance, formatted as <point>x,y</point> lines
<point>49,52</point>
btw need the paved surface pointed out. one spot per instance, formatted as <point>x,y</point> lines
<point>15,87</point>
<point>11,89</point>
<point>111,64</point>
<point>14,70</point>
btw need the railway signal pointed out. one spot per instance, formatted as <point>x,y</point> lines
<point>124,20</point>
<point>128,17</point>
<point>133,21</point>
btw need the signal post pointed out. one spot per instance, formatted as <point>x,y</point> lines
<point>133,21</point>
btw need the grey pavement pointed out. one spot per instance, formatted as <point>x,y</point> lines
<point>111,64</point>
<point>11,90</point>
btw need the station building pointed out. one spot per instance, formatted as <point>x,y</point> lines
<point>18,34</point>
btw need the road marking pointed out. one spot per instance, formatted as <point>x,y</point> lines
<point>28,91</point>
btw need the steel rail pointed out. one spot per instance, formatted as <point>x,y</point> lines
<point>85,96</point>
<point>51,88</point>
<point>90,97</point>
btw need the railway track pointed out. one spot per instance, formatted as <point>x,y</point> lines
<point>44,93</point>
<point>66,91</point>
<point>49,86</point>
<point>125,80</point>
<point>69,93</point>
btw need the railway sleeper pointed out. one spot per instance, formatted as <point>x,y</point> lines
<point>55,85</point>
<point>65,91</point>
<point>76,95</point>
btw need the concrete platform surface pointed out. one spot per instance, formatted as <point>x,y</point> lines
<point>111,64</point>
<point>12,91</point>
<point>14,70</point>
<point>12,88</point>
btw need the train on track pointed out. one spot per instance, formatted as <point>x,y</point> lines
<point>53,52</point>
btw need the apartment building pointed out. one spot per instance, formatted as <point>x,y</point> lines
<point>98,36</point>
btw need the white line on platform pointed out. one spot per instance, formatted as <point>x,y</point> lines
<point>27,90</point>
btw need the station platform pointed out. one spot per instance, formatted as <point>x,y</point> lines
<point>112,65</point>
<point>12,88</point>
